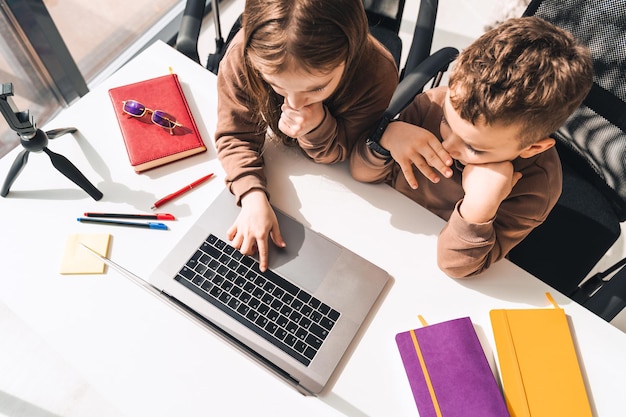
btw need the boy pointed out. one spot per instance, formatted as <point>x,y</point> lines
<point>487,133</point>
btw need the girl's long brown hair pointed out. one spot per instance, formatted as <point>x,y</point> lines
<point>318,35</point>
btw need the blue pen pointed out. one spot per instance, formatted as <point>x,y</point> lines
<point>148,225</point>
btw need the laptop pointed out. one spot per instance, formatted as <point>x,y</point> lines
<point>298,319</point>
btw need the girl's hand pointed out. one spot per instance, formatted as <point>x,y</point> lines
<point>296,123</point>
<point>255,223</point>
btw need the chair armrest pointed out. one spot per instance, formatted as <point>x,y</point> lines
<point>414,81</point>
<point>187,38</point>
<point>412,84</point>
<point>606,298</point>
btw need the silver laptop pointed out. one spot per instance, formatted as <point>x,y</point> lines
<point>298,319</point>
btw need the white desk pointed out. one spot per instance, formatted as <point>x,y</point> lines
<point>98,345</point>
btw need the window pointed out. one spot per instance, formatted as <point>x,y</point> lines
<point>97,38</point>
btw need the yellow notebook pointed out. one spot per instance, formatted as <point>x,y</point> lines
<point>541,375</point>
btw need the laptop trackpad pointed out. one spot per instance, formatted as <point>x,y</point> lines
<point>310,270</point>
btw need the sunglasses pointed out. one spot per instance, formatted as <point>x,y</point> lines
<point>159,117</point>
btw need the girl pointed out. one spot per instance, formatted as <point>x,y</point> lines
<point>306,73</point>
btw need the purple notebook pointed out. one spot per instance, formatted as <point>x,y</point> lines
<point>448,371</point>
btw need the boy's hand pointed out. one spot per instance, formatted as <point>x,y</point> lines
<point>486,186</point>
<point>255,222</point>
<point>296,123</point>
<point>412,145</point>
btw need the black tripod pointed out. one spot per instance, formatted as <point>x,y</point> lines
<point>36,140</point>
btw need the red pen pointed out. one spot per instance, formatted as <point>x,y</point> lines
<point>178,193</point>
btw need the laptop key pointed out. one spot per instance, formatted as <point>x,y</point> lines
<point>261,321</point>
<point>287,298</point>
<point>296,304</point>
<point>316,316</point>
<point>243,309</point>
<point>211,251</point>
<point>194,259</point>
<point>236,291</point>
<point>245,297</point>
<point>306,310</point>
<point>254,303</point>
<point>324,308</point>
<point>263,308</point>
<point>234,303</point>
<point>216,292</point>
<point>313,341</point>
<point>326,323</point>
<point>271,327</point>
<point>300,346</point>
<point>187,273</point>
<point>318,331</point>
<point>305,323</point>
<point>201,269</point>
<point>206,285</point>
<point>281,282</point>
<point>304,297</point>
<point>225,297</point>
<point>314,303</point>
<point>281,334</point>
<point>310,353</point>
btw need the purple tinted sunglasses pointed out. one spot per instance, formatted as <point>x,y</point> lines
<point>159,117</point>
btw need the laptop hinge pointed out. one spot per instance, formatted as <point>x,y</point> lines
<point>209,325</point>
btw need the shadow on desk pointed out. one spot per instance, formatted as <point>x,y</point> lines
<point>36,381</point>
<point>13,406</point>
<point>503,280</point>
<point>337,182</point>
<point>120,193</point>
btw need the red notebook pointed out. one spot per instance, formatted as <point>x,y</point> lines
<point>149,145</point>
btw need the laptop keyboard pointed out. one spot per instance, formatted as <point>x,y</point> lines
<point>276,309</point>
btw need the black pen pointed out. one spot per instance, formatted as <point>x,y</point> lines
<point>149,225</point>
<point>155,216</point>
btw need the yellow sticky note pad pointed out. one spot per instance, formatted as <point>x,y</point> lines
<point>77,260</point>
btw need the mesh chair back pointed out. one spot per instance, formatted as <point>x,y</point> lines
<point>596,132</point>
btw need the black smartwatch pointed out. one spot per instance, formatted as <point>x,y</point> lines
<point>375,146</point>
<point>374,138</point>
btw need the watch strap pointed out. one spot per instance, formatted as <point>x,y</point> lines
<point>374,138</point>
<point>375,146</point>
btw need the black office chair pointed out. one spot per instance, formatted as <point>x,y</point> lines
<point>384,17</point>
<point>585,223</point>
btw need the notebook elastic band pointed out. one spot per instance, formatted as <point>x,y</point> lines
<point>429,384</point>
<point>549,297</point>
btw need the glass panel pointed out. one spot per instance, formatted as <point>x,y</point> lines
<point>30,90</point>
<point>100,36</point>
<point>97,32</point>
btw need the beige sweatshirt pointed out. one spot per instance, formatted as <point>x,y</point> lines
<point>240,143</point>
